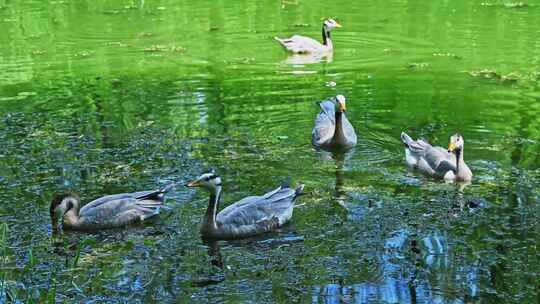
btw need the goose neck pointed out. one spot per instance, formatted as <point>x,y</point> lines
<point>213,204</point>
<point>71,217</point>
<point>459,159</point>
<point>326,37</point>
<point>338,132</point>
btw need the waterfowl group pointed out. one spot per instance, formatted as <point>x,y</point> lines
<point>254,215</point>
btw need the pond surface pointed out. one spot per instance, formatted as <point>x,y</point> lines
<point>108,96</point>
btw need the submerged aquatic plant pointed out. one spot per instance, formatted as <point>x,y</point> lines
<point>3,259</point>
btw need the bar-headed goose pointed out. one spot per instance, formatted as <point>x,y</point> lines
<point>110,211</point>
<point>332,130</point>
<point>437,161</point>
<point>305,45</point>
<point>249,216</point>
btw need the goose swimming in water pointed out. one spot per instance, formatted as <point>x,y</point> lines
<point>250,216</point>
<point>332,130</point>
<point>305,45</point>
<point>110,211</point>
<point>437,161</point>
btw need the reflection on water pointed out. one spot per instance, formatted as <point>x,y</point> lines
<point>214,253</point>
<point>302,59</point>
<point>397,284</point>
<point>109,96</point>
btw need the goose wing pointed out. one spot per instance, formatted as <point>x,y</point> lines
<point>325,124</point>
<point>416,147</point>
<point>301,44</point>
<point>439,160</point>
<point>274,205</point>
<point>119,212</point>
<point>348,131</point>
<point>433,160</point>
<point>95,204</point>
<point>122,209</point>
<point>149,194</point>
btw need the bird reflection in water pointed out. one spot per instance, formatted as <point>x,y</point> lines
<point>339,159</point>
<point>216,259</point>
<point>303,59</point>
<point>217,276</point>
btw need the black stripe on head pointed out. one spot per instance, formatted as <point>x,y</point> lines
<point>325,33</point>
<point>212,176</point>
<point>457,135</point>
<point>57,200</point>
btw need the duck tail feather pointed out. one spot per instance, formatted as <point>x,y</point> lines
<point>158,194</point>
<point>167,188</point>
<point>406,139</point>
<point>281,41</point>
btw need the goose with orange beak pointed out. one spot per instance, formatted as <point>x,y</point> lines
<point>438,162</point>
<point>332,130</point>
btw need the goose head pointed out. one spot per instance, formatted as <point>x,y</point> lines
<point>330,24</point>
<point>456,143</point>
<point>62,204</point>
<point>340,102</point>
<point>209,181</point>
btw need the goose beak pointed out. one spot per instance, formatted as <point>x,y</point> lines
<point>338,25</point>
<point>58,220</point>
<point>342,108</point>
<point>451,147</point>
<point>193,184</point>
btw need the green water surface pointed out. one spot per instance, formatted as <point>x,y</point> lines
<point>102,97</point>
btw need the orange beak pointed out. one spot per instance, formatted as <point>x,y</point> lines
<point>193,184</point>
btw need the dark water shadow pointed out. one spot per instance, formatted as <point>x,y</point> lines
<point>341,159</point>
<point>272,239</point>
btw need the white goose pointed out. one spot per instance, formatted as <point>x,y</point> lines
<point>305,45</point>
